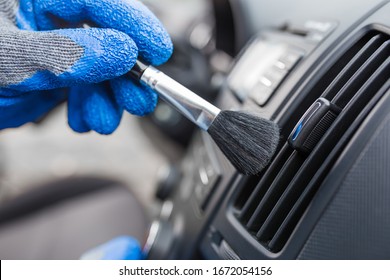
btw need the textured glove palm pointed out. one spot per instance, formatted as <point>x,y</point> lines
<point>38,60</point>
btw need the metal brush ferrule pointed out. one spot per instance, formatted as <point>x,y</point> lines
<point>195,108</point>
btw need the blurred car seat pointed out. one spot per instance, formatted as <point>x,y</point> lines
<point>63,219</point>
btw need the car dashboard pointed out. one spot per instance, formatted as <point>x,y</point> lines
<point>320,70</point>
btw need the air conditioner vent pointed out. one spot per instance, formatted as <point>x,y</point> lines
<point>271,210</point>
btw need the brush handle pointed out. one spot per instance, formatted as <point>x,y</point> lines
<point>195,108</point>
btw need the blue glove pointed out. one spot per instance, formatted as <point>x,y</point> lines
<point>38,60</point>
<point>120,248</point>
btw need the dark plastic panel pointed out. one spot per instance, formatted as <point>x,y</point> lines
<point>356,223</point>
<point>225,222</point>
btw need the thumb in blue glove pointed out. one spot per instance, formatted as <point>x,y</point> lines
<point>120,248</point>
<point>36,59</point>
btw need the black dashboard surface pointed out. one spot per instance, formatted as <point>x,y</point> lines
<point>329,201</point>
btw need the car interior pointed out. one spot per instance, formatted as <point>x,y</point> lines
<point>319,69</point>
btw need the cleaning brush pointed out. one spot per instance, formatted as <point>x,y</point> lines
<point>248,141</point>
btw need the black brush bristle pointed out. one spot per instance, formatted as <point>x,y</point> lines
<point>248,141</point>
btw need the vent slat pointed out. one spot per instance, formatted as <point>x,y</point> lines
<point>361,75</point>
<point>373,85</point>
<point>378,79</point>
<point>354,83</point>
<point>273,193</point>
<point>285,203</point>
<point>254,199</point>
<point>353,65</point>
<point>341,62</point>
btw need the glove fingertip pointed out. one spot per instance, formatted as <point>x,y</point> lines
<point>78,125</point>
<point>159,50</point>
<point>120,248</point>
<point>75,115</point>
<point>153,41</point>
<point>134,98</point>
<point>100,111</point>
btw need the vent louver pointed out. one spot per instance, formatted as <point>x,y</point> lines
<point>271,209</point>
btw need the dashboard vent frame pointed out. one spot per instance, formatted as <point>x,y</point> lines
<point>271,209</point>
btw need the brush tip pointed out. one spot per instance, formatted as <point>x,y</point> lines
<point>248,141</point>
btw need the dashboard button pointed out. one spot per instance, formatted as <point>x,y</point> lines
<point>289,59</point>
<point>273,76</point>
<point>260,93</point>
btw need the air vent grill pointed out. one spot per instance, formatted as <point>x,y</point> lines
<point>271,210</point>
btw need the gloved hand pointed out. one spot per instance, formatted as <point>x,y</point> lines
<point>38,60</point>
<point>119,248</point>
